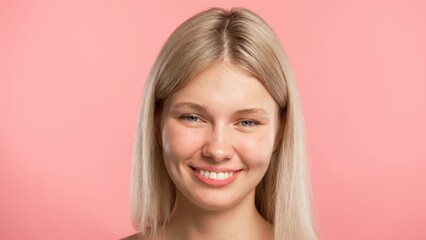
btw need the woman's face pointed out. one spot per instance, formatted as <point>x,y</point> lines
<point>217,135</point>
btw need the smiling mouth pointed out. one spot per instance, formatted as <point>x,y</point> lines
<point>215,178</point>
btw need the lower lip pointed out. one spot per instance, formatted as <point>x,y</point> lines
<point>216,182</point>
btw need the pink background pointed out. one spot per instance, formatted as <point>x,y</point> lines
<point>71,76</point>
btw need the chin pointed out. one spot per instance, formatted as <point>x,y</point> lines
<point>214,201</point>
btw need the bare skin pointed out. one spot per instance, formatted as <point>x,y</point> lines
<point>239,222</point>
<point>236,223</point>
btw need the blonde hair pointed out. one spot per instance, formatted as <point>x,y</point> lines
<point>242,38</point>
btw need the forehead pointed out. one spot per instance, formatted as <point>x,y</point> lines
<point>225,87</point>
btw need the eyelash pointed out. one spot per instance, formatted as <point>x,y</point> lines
<point>193,118</point>
<point>252,123</point>
<point>190,118</point>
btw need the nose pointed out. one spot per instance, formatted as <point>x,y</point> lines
<point>218,146</point>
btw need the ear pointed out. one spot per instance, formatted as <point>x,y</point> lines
<point>280,132</point>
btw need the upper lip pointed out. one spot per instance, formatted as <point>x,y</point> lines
<point>215,169</point>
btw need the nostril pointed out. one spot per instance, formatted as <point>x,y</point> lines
<point>218,153</point>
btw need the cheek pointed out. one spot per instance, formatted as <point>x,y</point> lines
<point>256,150</point>
<point>179,143</point>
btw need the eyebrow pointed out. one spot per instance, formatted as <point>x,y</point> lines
<point>251,111</point>
<point>192,105</point>
<point>202,108</point>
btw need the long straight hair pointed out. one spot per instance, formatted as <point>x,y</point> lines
<point>242,38</point>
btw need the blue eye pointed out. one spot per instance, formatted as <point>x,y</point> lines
<point>191,118</point>
<point>248,123</point>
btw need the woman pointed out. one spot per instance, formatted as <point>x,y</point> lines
<point>220,150</point>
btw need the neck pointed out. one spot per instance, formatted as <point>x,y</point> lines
<point>242,221</point>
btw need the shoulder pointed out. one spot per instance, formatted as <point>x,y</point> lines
<point>135,236</point>
<point>138,236</point>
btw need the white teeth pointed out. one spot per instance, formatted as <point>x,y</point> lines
<point>216,175</point>
<point>221,176</point>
